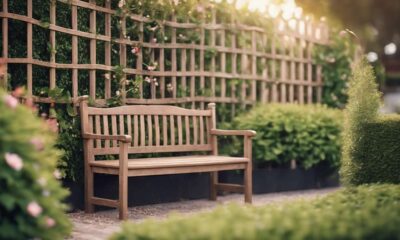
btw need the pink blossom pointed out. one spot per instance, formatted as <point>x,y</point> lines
<point>14,161</point>
<point>18,92</point>
<point>34,209</point>
<point>147,79</point>
<point>42,181</point>
<point>343,33</point>
<point>10,101</point>
<point>135,50</point>
<point>50,222</point>
<point>57,174</point>
<point>200,8</point>
<point>37,143</point>
<point>170,87</point>
<point>151,68</point>
<point>121,3</point>
<point>52,124</point>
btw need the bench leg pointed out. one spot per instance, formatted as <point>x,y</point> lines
<point>123,197</point>
<point>89,207</point>
<point>248,184</point>
<point>213,187</point>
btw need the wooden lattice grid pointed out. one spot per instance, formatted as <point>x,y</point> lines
<point>272,66</point>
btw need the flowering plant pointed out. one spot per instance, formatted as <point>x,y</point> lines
<point>30,196</point>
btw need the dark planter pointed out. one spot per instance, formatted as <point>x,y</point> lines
<point>171,188</point>
<point>284,179</point>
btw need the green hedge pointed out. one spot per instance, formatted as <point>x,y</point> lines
<point>366,212</point>
<point>308,134</point>
<point>30,195</point>
<point>371,152</point>
<point>377,156</point>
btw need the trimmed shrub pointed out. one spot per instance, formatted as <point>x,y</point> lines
<point>361,110</point>
<point>30,195</point>
<point>308,134</point>
<point>377,156</point>
<point>366,212</point>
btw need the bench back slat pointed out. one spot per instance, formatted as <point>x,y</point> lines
<point>154,129</point>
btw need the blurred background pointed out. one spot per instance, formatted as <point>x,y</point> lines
<point>376,23</point>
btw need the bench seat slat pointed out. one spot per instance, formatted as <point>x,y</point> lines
<point>166,162</point>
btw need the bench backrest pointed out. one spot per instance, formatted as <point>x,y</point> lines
<point>154,129</point>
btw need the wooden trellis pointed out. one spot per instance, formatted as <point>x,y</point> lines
<point>272,66</point>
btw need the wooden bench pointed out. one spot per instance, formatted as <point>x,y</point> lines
<point>129,130</point>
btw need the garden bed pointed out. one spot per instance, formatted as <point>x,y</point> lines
<point>171,188</point>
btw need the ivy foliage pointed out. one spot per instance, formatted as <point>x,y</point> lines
<point>30,196</point>
<point>308,134</point>
<point>335,59</point>
<point>366,212</point>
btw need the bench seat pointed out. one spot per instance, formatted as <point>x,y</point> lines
<point>171,165</point>
<point>131,131</point>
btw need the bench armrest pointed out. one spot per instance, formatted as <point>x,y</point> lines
<point>246,133</point>
<point>122,138</point>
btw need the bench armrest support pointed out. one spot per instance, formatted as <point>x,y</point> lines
<point>245,133</point>
<point>121,138</point>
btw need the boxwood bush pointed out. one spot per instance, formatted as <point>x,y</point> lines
<point>366,212</point>
<point>308,134</point>
<point>30,195</point>
<point>377,157</point>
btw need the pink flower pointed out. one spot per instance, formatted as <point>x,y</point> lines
<point>151,68</point>
<point>34,209</point>
<point>37,143</point>
<point>50,222</point>
<point>343,33</point>
<point>18,92</point>
<point>200,8</point>
<point>14,161</point>
<point>52,124</point>
<point>170,87</point>
<point>147,79</point>
<point>42,181</point>
<point>121,3</point>
<point>155,82</point>
<point>10,101</point>
<point>57,174</point>
<point>135,50</point>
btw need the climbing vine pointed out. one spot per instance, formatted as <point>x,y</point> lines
<point>123,84</point>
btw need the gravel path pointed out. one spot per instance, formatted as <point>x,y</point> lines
<point>101,224</point>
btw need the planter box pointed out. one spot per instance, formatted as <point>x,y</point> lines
<point>172,188</point>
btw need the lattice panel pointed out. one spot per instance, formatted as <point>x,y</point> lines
<point>230,63</point>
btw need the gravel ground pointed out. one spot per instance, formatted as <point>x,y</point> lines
<point>102,224</point>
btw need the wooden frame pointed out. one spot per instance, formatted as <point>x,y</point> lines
<point>118,131</point>
<point>282,72</point>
